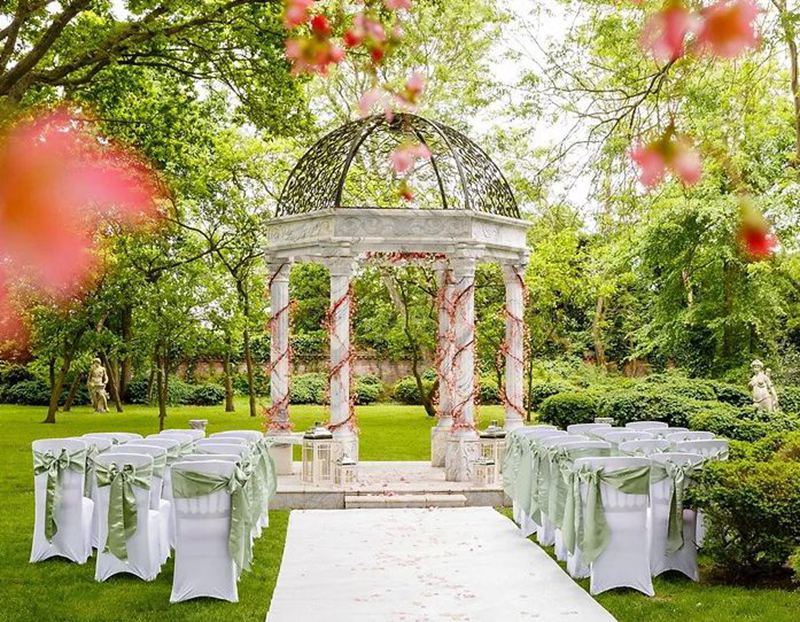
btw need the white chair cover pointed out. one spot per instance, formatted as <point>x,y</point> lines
<point>100,444</point>
<point>665,432</point>
<point>173,448</point>
<point>625,561</point>
<point>615,438</point>
<point>161,505</point>
<point>679,437</point>
<point>186,440</point>
<point>644,447</point>
<point>211,446</point>
<point>645,425</point>
<point>207,457</point>
<point>685,559</point>
<point>601,432</point>
<point>143,555</point>
<point>250,435</point>
<point>71,510</point>
<point>585,428</point>
<point>203,563</point>
<point>193,432</point>
<point>117,438</point>
<point>524,486</point>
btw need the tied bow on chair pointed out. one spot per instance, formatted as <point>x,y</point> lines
<point>681,475</point>
<point>54,466</point>
<point>122,512</point>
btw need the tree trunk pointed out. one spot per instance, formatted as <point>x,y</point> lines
<point>597,332</point>
<point>73,391</point>
<point>113,381</point>
<point>51,370</point>
<point>226,368</point>
<point>163,391</point>
<point>57,379</point>
<point>151,381</point>
<point>126,371</point>
<point>248,356</point>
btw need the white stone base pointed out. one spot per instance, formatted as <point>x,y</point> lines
<point>463,450</point>
<point>513,423</point>
<point>282,455</point>
<point>439,436</point>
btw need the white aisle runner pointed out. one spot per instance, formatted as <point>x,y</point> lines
<point>413,565</point>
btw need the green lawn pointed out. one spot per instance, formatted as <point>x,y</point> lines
<point>57,590</point>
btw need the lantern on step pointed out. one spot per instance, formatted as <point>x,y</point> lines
<point>493,445</point>
<point>344,473</point>
<point>485,472</point>
<point>317,454</point>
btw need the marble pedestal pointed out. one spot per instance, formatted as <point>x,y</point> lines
<point>282,456</point>
<point>463,450</point>
<point>439,436</point>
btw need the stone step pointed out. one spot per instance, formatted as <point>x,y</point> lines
<point>405,501</point>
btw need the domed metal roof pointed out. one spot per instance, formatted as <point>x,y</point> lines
<point>350,168</point>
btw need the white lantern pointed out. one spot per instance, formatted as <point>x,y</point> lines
<point>493,446</point>
<point>317,454</point>
<point>485,472</point>
<point>344,473</point>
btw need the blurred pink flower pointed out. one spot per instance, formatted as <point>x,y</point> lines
<point>405,155</point>
<point>394,5</point>
<point>727,28</point>
<point>296,13</point>
<point>369,99</point>
<point>665,32</point>
<point>686,165</point>
<point>650,161</point>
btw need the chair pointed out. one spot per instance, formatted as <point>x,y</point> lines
<point>121,551</point>
<point>545,528</point>
<point>193,432</point>
<point>523,486</point>
<point>62,527</point>
<point>117,438</point>
<point>646,425</point>
<point>601,432</point>
<point>186,440</point>
<point>97,445</point>
<point>207,457</point>
<point>662,486</point>
<point>664,432</point>
<point>240,449</point>
<point>679,437</point>
<point>161,505</point>
<point>615,438</point>
<point>173,449</point>
<point>204,565</point>
<point>585,428</point>
<point>250,435</point>
<point>620,558</point>
<point>644,447</point>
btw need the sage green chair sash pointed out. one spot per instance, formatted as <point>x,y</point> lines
<point>54,466</point>
<point>522,483</point>
<point>122,513</point>
<point>681,476</point>
<point>511,462</point>
<point>91,453</point>
<point>568,515</point>
<point>539,473</point>
<point>159,465</point>
<point>190,484</point>
<point>595,532</point>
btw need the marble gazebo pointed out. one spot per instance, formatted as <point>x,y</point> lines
<point>340,208</point>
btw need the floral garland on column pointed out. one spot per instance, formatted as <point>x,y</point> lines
<point>271,422</point>
<point>333,370</point>
<point>519,328</point>
<point>445,342</point>
<point>458,409</point>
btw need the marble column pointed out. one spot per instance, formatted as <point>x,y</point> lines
<point>462,445</point>
<point>279,423</point>
<point>444,369</point>
<point>339,316</point>
<point>515,335</point>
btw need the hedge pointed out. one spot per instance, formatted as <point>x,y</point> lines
<point>647,404</point>
<point>540,391</point>
<point>308,389</point>
<point>789,399</point>
<point>368,389</point>
<point>565,409</point>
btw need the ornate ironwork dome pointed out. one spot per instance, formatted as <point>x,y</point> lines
<point>350,168</point>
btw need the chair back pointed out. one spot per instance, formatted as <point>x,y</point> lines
<point>614,499</point>
<point>117,438</point>
<point>529,430</point>
<point>215,447</point>
<point>250,435</point>
<point>661,491</point>
<point>560,439</point>
<point>585,428</point>
<point>185,440</point>
<point>644,447</point>
<point>193,432</point>
<point>665,432</point>
<point>158,454</point>
<point>602,447</point>
<point>645,425</point>
<point>615,438</point>
<point>214,505</point>
<point>679,437</point>
<point>207,457</point>
<point>100,443</point>
<point>716,449</point>
<point>601,432</point>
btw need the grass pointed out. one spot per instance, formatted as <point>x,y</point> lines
<point>57,590</point>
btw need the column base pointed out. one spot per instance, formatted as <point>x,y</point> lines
<point>439,435</point>
<point>463,450</point>
<point>345,446</point>
<point>282,456</point>
<point>514,422</point>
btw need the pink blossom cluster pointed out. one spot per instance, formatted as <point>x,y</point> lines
<point>669,152</point>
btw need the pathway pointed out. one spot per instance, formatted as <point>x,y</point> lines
<point>413,565</point>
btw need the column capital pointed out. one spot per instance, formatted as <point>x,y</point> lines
<point>464,267</point>
<point>343,265</point>
<point>513,271</point>
<point>279,269</point>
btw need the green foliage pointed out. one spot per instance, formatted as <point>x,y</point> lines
<point>368,389</point>
<point>406,391</point>
<point>540,391</point>
<point>488,391</point>
<point>29,392</point>
<point>647,404</point>
<point>682,387</point>
<point>731,394</point>
<point>564,409</point>
<point>308,389</point>
<point>206,394</point>
<point>137,392</point>
<point>789,399</point>
<point>260,381</point>
<point>728,421</point>
<point>752,514</point>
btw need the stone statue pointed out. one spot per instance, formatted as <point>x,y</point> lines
<point>764,396</point>
<point>96,383</point>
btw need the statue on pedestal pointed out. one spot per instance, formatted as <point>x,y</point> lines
<point>764,395</point>
<point>96,383</point>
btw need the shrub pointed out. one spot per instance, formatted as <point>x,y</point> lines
<point>726,420</point>
<point>731,394</point>
<point>136,393</point>
<point>207,394</point>
<point>682,387</point>
<point>789,399</point>
<point>28,393</point>
<point>11,374</point>
<point>540,391</point>
<point>260,380</point>
<point>406,391</point>
<point>308,389</point>
<point>564,409</point>
<point>488,391</point>
<point>647,404</point>
<point>752,514</point>
<point>368,389</point>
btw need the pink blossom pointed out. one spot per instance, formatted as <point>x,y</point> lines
<point>296,13</point>
<point>665,33</point>
<point>394,5</point>
<point>368,100</point>
<point>727,28</point>
<point>685,163</point>
<point>405,155</point>
<point>650,161</point>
